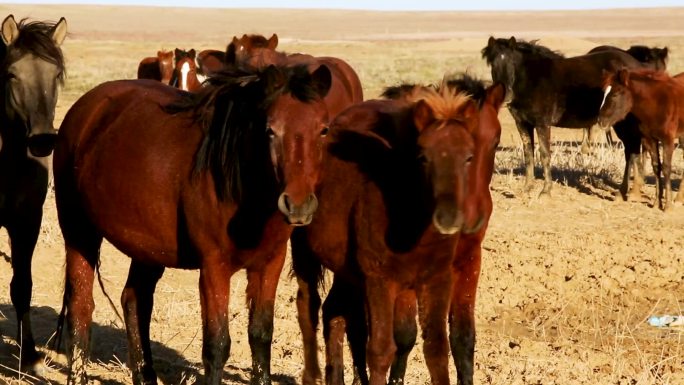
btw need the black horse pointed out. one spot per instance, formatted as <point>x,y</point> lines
<point>31,70</point>
<point>546,89</point>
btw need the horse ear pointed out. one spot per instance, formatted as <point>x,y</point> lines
<point>322,80</point>
<point>663,53</point>
<point>423,115</point>
<point>59,31</point>
<point>177,52</point>
<point>192,53</point>
<point>623,76</point>
<point>10,30</point>
<point>511,42</point>
<point>496,94</point>
<point>273,42</point>
<point>491,41</point>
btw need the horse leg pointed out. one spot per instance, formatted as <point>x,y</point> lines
<point>81,259</point>
<point>405,334</point>
<point>334,325</point>
<point>628,132</point>
<point>433,304</point>
<point>586,141</point>
<point>308,270</point>
<point>214,285</point>
<point>261,293</point>
<point>652,147</point>
<point>462,309</point>
<point>668,150</point>
<point>357,333</point>
<point>380,297</point>
<point>137,300</point>
<point>526,131</point>
<point>679,198</point>
<point>23,233</point>
<point>544,133</point>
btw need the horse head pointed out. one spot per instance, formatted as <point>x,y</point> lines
<point>503,57</point>
<point>253,51</point>
<point>297,124</point>
<point>166,69</point>
<point>653,56</point>
<point>33,68</point>
<point>446,121</point>
<point>186,70</point>
<point>617,97</point>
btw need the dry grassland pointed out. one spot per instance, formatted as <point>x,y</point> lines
<point>567,283</point>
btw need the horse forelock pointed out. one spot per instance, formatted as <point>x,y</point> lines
<point>35,37</point>
<point>446,103</point>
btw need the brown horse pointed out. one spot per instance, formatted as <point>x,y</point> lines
<point>466,266</point>
<point>210,61</point>
<point>212,180</point>
<point>392,205</point>
<point>159,68</point>
<point>31,71</point>
<point>657,101</point>
<point>257,51</point>
<point>185,71</point>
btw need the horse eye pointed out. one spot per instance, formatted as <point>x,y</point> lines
<point>11,76</point>
<point>469,159</point>
<point>324,131</point>
<point>270,132</point>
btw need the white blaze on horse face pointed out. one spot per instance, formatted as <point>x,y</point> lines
<point>184,76</point>
<point>605,95</point>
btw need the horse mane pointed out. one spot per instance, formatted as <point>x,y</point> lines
<point>647,54</point>
<point>476,88</point>
<point>36,37</point>
<point>231,110</point>
<point>531,48</point>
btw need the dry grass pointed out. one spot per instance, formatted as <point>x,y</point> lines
<point>567,283</point>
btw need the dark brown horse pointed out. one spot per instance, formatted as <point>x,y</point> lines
<point>210,61</point>
<point>185,70</point>
<point>466,266</point>
<point>31,71</point>
<point>213,181</point>
<point>257,51</point>
<point>547,89</point>
<point>395,180</point>
<point>657,101</point>
<point>159,68</point>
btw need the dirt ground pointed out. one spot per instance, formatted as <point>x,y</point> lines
<point>567,283</point>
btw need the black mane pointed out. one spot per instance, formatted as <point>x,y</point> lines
<point>476,88</point>
<point>646,54</point>
<point>500,45</point>
<point>231,109</point>
<point>36,38</point>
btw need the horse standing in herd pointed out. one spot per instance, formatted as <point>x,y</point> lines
<point>159,68</point>
<point>31,71</point>
<point>257,51</point>
<point>657,101</point>
<point>213,181</point>
<point>546,89</point>
<point>393,201</point>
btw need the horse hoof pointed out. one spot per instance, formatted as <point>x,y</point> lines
<point>38,368</point>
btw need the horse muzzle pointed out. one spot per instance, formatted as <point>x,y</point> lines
<point>42,143</point>
<point>298,214</point>
<point>448,219</point>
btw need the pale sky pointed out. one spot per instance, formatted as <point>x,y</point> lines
<point>413,5</point>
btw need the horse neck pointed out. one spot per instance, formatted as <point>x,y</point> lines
<point>643,89</point>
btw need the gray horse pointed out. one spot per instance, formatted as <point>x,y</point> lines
<point>31,70</point>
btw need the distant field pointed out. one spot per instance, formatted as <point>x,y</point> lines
<point>567,283</point>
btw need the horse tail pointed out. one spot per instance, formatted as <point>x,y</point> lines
<point>57,342</point>
<point>111,303</point>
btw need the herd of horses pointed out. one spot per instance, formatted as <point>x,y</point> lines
<point>391,194</point>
